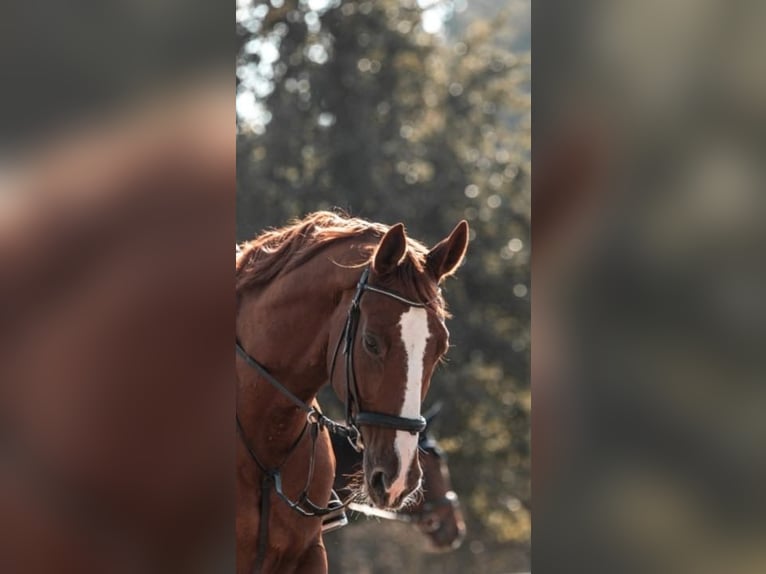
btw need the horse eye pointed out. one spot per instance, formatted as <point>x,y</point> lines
<point>371,344</point>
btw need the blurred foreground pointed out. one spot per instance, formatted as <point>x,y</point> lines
<point>648,307</point>
<point>116,235</point>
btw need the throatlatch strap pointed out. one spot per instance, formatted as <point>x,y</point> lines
<point>272,381</point>
<point>315,416</point>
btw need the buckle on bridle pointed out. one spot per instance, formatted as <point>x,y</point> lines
<point>360,287</point>
<point>354,438</point>
<point>313,417</point>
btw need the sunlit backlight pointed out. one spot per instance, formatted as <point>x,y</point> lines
<point>252,113</point>
<point>319,5</point>
<point>326,119</point>
<point>317,54</point>
<point>472,191</point>
<point>434,15</point>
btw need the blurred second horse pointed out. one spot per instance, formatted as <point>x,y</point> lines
<point>436,513</point>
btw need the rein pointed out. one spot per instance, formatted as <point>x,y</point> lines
<point>315,420</point>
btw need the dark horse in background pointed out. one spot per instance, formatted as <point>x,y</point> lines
<point>436,514</point>
<point>358,304</point>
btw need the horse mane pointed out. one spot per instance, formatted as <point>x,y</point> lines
<point>278,251</point>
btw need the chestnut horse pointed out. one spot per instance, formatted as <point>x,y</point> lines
<point>436,514</point>
<point>324,287</point>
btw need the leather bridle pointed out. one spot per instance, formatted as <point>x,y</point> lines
<point>367,418</point>
<point>315,420</point>
<point>428,511</point>
<point>428,519</point>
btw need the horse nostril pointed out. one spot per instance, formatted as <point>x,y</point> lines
<point>378,481</point>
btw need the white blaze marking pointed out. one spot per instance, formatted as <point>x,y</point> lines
<point>415,334</point>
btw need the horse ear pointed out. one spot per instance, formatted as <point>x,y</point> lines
<point>431,413</point>
<point>390,250</point>
<point>448,254</point>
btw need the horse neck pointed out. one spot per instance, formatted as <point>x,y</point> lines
<point>285,326</point>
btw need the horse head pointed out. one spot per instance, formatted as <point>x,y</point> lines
<point>438,514</point>
<point>394,337</point>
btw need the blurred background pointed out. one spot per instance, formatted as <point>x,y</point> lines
<point>419,112</point>
<point>648,303</point>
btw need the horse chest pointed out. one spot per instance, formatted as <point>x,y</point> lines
<point>293,541</point>
<point>291,537</point>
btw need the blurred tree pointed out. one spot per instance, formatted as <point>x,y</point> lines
<point>354,105</point>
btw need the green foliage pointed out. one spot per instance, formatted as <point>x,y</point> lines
<point>353,105</point>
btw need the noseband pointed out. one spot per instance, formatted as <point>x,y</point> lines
<point>429,512</point>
